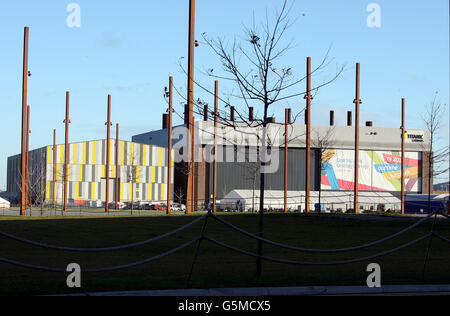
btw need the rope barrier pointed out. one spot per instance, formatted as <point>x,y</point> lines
<point>241,251</point>
<point>341,262</point>
<point>121,267</point>
<point>136,244</point>
<point>441,237</point>
<point>273,243</point>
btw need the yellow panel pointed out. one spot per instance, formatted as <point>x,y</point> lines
<point>153,174</point>
<point>74,155</point>
<point>122,152</point>
<point>84,153</point>
<point>132,154</point>
<point>162,192</point>
<point>93,152</point>
<point>93,191</point>
<point>61,153</point>
<point>103,171</point>
<point>138,174</point>
<point>80,173</point>
<point>149,192</point>
<point>173,158</point>
<point>131,190</point>
<point>113,171</point>
<point>121,191</point>
<point>48,154</point>
<point>77,190</point>
<point>47,190</point>
<point>159,157</point>
<point>144,155</point>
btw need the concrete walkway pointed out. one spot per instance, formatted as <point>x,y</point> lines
<point>290,291</point>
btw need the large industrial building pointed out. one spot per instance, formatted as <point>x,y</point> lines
<point>143,172</point>
<point>143,164</point>
<point>332,161</point>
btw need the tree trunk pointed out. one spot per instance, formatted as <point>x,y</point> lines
<point>261,200</point>
<point>320,193</point>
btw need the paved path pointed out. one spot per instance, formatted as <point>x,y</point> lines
<point>291,291</point>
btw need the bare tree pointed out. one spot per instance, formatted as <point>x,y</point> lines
<point>132,175</point>
<point>322,142</point>
<point>435,156</point>
<point>179,195</point>
<point>254,66</point>
<point>37,183</point>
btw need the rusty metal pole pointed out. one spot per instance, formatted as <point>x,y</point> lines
<point>193,167</point>
<point>357,102</point>
<point>23,205</point>
<point>27,160</point>
<point>117,168</point>
<point>216,113</point>
<point>169,153</point>
<point>54,169</point>
<point>403,159</point>
<point>286,123</point>
<point>190,98</point>
<point>108,145</point>
<point>308,98</point>
<point>66,150</point>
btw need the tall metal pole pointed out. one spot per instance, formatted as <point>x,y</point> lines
<point>66,150</point>
<point>54,169</point>
<point>108,143</point>
<point>117,167</point>
<point>23,206</point>
<point>286,123</point>
<point>308,98</point>
<point>357,102</point>
<point>190,98</point>
<point>193,166</point>
<point>27,160</point>
<point>403,158</point>
<point>169,153</point>
<point>216,113</point>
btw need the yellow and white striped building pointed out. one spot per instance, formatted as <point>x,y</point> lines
<point>142,170</point>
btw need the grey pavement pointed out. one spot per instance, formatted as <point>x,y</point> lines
<point>290,291</point>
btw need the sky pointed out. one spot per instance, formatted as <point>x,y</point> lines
<point>130,48</point>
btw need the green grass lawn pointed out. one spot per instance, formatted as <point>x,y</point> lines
<point>215,267</point>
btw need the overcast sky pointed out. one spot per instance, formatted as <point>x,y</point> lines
<point>129,49</point>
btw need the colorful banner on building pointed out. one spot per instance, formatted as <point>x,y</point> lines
<point>378,170</point>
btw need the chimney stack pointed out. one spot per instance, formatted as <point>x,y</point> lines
<point>349,118</point>
<point>369,123</point>
<point>186,113</point>
<point>165,121</point>
<point>205,112</point>
<point>331,118</point>
<point>232,113</point>
<point>250,114</point>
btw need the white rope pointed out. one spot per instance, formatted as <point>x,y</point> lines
<point>384,253</point>
<point>273,243</point>
<point>136,244</point>
<point>121,267</point>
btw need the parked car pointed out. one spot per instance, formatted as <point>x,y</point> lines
<point>177,207</point>
<point>112,205</point>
